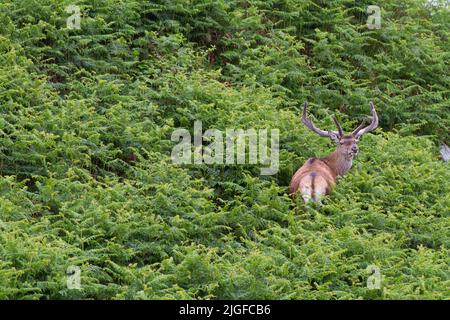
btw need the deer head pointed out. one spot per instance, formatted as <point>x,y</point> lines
<point>347,145</point>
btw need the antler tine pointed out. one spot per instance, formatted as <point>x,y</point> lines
<point>363,123</point>
<point>338,125</point>
<point>308,123</point>
<point>359,131</point>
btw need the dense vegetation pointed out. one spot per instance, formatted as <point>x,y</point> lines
<point>86,177</point>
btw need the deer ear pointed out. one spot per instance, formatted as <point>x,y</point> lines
<point>334,137</point>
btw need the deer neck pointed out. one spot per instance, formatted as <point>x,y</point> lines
<point>338,163</point>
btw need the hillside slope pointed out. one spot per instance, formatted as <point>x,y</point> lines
<point>87,180</point>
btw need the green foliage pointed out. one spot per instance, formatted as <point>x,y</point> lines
<point>86,177</point>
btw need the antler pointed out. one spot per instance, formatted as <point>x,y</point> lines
<point>322,133</point>
<point>338,125</point>
<point>358,132</point>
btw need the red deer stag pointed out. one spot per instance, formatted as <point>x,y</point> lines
<point>318,175</point>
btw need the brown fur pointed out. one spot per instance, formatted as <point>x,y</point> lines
<point>317,176</point>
